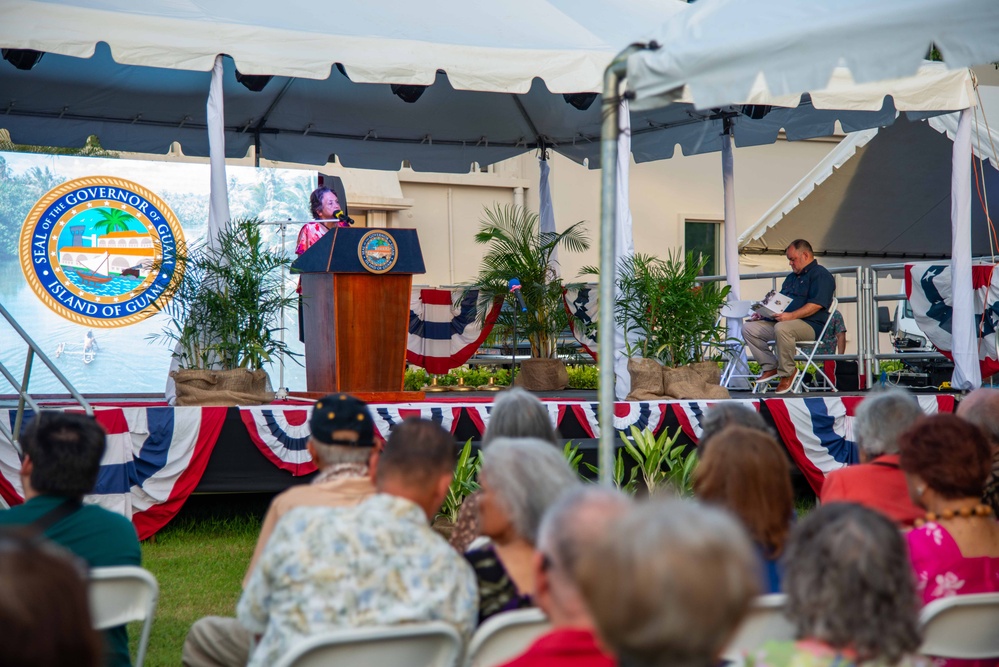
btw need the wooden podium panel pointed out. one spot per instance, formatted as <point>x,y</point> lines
<point>374,326</point>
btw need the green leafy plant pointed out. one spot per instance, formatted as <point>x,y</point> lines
<point>573,457</point>
<point>516,249</point>
<point>225,312</point>
<point>583,376</point>
<point>417,378</point>
<point>660,461</point>
<point>629,483</point>
<point>674,317</point>
<point>463,483</point>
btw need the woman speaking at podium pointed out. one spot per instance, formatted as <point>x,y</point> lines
<point>325,208</point>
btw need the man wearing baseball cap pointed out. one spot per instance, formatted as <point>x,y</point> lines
<point>341,444</point>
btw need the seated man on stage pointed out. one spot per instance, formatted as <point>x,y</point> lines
<point>811,288</point>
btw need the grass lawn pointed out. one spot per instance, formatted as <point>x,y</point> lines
<point>199,562</point>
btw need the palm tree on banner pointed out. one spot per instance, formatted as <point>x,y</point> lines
<point>112,220</point>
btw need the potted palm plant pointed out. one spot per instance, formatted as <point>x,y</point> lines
<point>516,249</point>
<point>673,319</point>
<point>224,317</point>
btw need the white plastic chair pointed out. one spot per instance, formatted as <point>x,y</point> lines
<point>434,644</point>
<point>733,350</point>
<point>764,622</point>
<point>961,627</point>
<point>505,636</point>
<point>120,595</point>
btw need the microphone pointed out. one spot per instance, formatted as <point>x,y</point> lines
<point>514,285</point>
<point>343,217</point>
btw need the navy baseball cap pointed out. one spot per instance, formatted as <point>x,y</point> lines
<point>342,412</point>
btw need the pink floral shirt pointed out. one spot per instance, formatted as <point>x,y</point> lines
<point>942,571</point>
<point>309,234</point>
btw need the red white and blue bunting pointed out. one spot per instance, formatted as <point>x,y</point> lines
<point>443,336</point>
<point>928,287</point>
<point>154,459</point>
<point>818,432</point>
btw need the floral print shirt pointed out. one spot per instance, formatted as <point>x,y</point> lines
<point>376,563</point>
<point>942,571</point>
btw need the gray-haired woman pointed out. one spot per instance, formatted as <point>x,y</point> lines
<point>520,479</point>
<point>515,414</point>
<point>850,593</point>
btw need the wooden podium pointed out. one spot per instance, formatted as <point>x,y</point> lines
<point>356,286</point>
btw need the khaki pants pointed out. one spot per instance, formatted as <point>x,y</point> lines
<point>216,641</point>
<point>759,333</point>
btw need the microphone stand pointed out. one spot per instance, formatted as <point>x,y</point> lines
<point>513,352</point>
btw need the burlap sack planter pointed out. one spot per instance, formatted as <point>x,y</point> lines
<point>235,387</point>
<point>686,383</point>
<point>542,375</point>
<point>708,371</point>
<point>646,379</point>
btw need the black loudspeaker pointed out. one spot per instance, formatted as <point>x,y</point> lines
<point>847,378</point>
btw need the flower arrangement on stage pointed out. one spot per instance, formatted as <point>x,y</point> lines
<point>516,248</point>
<point>225,315</point>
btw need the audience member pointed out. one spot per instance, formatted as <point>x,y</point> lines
<point>341,444</point>
<point>722,415</point>
<point>43,606</point>
<point>746,472</point>
<point>850,596</point>
<point>981,408</point>
<point>668,584</point>
<point>520,479</point>
<point>955,551</point>
<point>517,413</point>
<point>568,529</point>
<point>62,458</point>
<point>375,563</point>
<point>878,482</point>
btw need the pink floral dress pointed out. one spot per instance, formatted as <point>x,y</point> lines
<point>942,571</point>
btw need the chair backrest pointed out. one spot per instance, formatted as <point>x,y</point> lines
<point>505,636</point>
<point>434,644</point>
<point>832,310</point>
<point>120,595</point>
<point>736,308</point>
<point>764,622</point>
<point>962,627</point>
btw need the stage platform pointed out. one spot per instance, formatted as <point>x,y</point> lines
<point>159,455</point>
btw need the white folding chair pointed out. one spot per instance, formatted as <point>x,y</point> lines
<point>120,595</point>
<point>764,622</point>
<point>434,644</point>
<point>961,627</point>
<point>806,355</point>
<point>505,636</point>
<point>807,349</point>
<point>733,350</point>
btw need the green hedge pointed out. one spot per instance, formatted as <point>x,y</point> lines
<point>580,377</point>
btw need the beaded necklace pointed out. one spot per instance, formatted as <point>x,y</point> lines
<point>961,512</point>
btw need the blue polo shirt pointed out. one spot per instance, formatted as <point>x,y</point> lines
<point>813,285</point>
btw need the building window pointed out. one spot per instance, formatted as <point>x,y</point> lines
<point>703,238</point>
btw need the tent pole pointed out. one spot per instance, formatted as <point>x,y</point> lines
<point>964,336</point>
<point>609,130</point>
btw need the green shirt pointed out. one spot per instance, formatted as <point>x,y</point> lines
<point>99,537</point>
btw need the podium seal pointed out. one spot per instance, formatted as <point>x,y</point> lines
<point>378,251</point>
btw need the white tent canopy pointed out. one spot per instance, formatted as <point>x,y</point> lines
<point>137,75</point>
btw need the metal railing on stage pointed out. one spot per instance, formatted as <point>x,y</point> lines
<point>23,396</point>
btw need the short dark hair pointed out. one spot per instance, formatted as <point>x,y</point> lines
<point>722,415</point>
<point>950,454</point>
<point>43,605</point>
<point>800,244</point>
<point>418,450</point>
<point>316,200</point>
<point>65,451</point>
